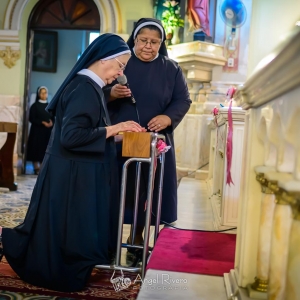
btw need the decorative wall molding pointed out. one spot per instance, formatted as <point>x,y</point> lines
<point>10,56</point>
<point>108,9</point>
<point>9,38</point>
<point>275,75</point>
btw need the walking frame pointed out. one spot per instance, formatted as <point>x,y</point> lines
<point>152,162</point>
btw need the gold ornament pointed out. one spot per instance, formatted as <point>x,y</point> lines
<point>10,56</point>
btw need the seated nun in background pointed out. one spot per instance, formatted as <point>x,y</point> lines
<point>162,100</point>
<point>72,219</point>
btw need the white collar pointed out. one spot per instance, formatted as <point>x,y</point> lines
<point>42,101</point>
<point>150,60</point>
<point>93,76</point>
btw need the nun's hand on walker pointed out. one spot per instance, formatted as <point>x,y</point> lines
<point>119,91</point>
<point>159,123</point>
<point>124,126</point>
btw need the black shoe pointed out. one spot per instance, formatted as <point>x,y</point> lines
<point>134,257</point>
<point>133,250</point>
<point>112,257</point>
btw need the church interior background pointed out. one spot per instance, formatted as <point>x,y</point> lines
<point>259,60</point>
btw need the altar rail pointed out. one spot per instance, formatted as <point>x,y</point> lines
<point>267,260</point>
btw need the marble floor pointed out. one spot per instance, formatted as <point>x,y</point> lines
<point>194,212</point>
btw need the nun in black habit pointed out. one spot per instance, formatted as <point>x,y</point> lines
<point>72,219</point>
<point>40,130</point>
<point>162,100</point>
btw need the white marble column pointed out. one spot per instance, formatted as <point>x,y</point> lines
<point>282,223</point>
<point>259,288</point>
<point>292,195</point>
<point>293,267</point>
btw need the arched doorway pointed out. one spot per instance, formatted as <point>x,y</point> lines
<point>57,26</point>
<point>65,14</point>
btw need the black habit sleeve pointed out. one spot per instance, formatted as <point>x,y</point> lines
<point>106,91</point>
<point>180,102</point>
<point>82,110</point>
<point>33,115</point>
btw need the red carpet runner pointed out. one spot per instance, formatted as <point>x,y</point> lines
<point>190,251</point>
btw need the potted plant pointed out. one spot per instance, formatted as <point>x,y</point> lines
<point>172,21</point>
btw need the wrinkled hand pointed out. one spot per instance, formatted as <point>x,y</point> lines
<point>130,126</point>
<point>159,123</point>
<point>46,124</point>
<point>120,91</point>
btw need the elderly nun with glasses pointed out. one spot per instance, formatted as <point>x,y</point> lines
<point>71,223</point>
<point>162,100</point>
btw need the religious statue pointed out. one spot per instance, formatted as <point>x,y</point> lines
<point>198,15</point>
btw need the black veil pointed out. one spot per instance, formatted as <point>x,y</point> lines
<point>106,45</point>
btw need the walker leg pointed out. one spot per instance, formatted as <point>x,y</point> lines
<point>149,205</point>
<point>121,213</point>
<point>136,202</point>
<point>159,200</point>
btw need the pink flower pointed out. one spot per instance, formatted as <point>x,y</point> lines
<point>162,147</point>
<point>215,111</point>
<point>231,91</point>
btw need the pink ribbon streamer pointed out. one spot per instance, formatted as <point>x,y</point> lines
<point>229,145</point>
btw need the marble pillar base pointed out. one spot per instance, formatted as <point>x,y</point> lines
<point>233,291</point>
<point>231,286</point>
<point>256,294</point>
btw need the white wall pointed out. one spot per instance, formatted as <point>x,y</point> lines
<point>133,10</point>
<point>241,74</point>
<point>70,44</point>
<point>270,22</point>
<point>3,6</point>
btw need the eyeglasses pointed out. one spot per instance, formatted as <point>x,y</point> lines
<point>143,42</point>
<point>122,66</point>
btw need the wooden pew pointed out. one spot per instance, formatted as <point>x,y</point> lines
<point>6,156</point>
